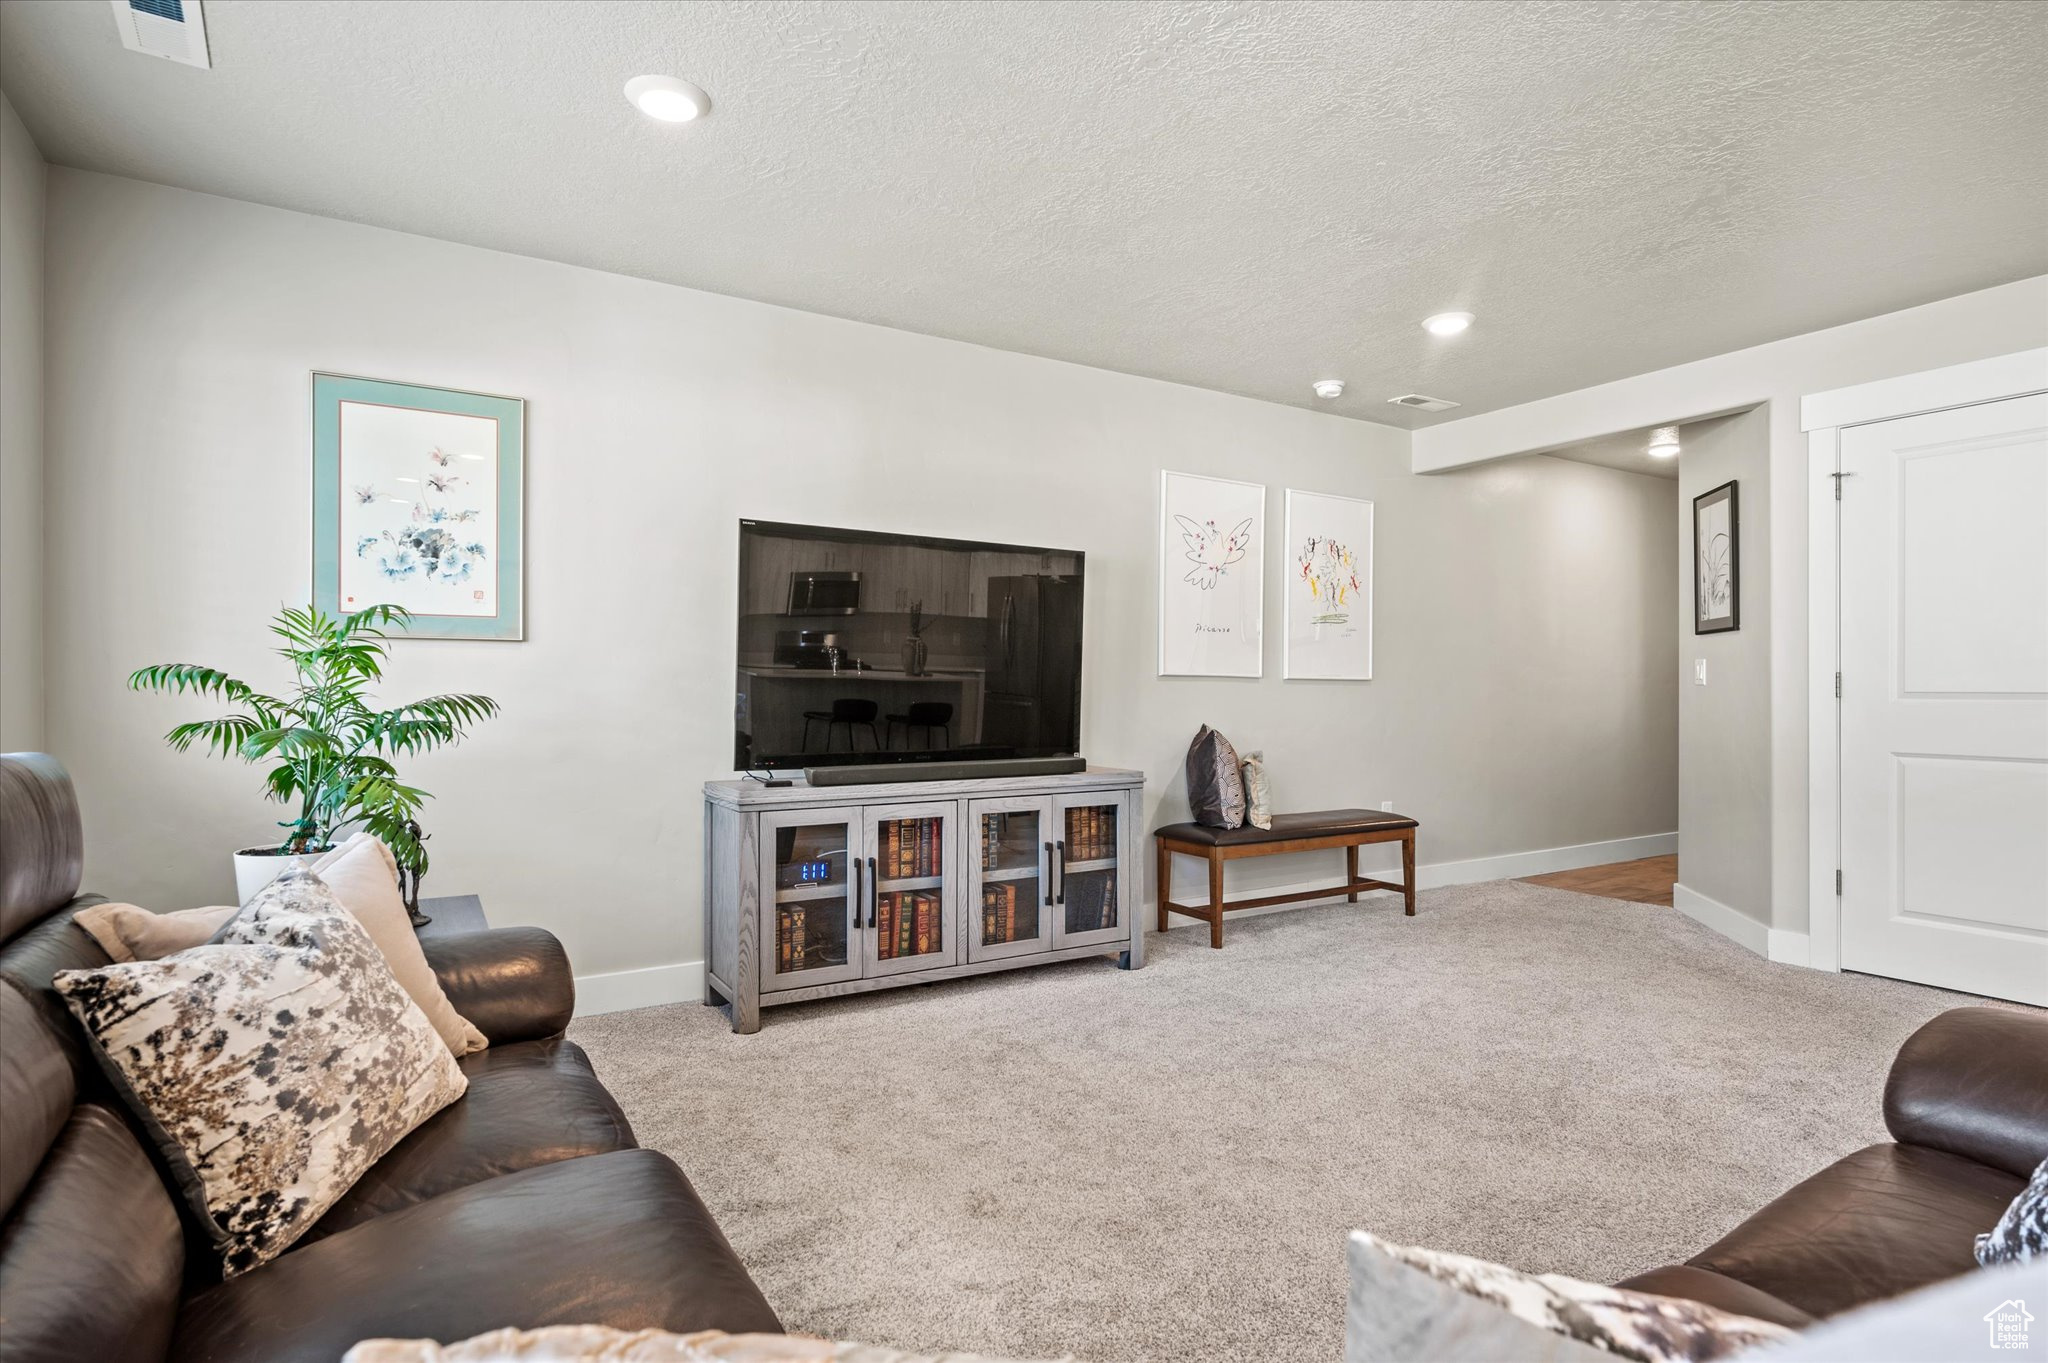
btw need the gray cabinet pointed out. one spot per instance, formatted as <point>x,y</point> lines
<point>812,893</point>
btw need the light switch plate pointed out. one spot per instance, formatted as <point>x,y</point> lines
<point>1699,671</point>
<point>1386,806</point>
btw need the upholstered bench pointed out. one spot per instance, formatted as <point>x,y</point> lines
<point>1349,829</point>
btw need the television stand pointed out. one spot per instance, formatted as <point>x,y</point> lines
<point>812,892</point>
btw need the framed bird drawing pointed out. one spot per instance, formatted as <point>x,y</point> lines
<point>1212,540</point>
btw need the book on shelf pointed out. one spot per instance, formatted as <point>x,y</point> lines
<point>999,902</point>
<point>791,943</point>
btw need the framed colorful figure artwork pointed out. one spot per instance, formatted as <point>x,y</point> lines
<point>1212,537</point>
<point>419,501</point>
<point>1328,561</point>
<point>1716,562</point>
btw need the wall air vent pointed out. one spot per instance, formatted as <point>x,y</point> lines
<point>1423,404</point>
<point>174,29</point>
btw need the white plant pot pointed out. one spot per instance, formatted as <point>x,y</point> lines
<point>256,867</point>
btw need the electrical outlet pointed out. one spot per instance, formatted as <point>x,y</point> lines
<point>1386,806</point>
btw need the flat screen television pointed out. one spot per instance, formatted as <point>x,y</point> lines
<point>862,647</point>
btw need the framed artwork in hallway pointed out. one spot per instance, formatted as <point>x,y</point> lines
<point>419,501</point>
<point>1716,562</point>
<point>1328,562</point>
<point>1212,538</point>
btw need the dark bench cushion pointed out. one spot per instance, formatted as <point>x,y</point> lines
<point>1325,823</point>
<point>618,1239</point>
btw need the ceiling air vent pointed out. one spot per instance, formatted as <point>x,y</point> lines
<point>163,28</point>
<point>1423,404</point>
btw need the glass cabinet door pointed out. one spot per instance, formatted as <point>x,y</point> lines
<point>810,898</point>
<point>1009,878</point>
<point>1088,890</point>
<point>913,883</point>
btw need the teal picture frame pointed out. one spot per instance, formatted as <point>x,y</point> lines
<point>403,510</point>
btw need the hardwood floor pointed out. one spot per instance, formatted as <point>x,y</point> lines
<point>1647,881</point>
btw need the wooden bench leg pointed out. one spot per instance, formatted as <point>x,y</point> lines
<point>1165,882</point>
<point>1408,871</point>
<point>1216,898</point>
<point>1351,872</point>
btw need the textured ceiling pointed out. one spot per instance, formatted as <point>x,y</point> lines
<point>1241,196</point>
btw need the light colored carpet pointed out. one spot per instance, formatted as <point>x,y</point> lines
<point>1161,1165</point>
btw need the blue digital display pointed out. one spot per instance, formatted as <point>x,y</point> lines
<point>813,872</point>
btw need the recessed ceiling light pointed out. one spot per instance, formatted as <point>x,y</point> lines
<point>1329,388</point>
<point>667,98</point>
<point>1447,323</point>
<point>1664,443</point>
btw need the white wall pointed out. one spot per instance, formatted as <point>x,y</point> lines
<point>1973,326</point>
<point>21,436</point>
<point>1724,731</point>
<point>1515,603</point>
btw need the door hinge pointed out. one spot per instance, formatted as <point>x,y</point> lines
<point>1838,881</point>
<point>1838,686</point>
<point>1838,477</point>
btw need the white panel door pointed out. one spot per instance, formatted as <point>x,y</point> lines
<point>1944,601</point>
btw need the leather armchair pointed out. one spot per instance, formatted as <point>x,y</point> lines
<point>1967,1106</point>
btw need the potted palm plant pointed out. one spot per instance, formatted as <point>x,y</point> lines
<point>329,750</point>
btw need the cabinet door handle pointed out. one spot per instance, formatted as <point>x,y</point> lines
<point>1048,875</point>
<point>1063,872</point>
<point>858,891</point>
<point>874,884</point>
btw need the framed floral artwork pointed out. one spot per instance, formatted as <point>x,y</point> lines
<point>419,501</point>
<point>1329,587</point>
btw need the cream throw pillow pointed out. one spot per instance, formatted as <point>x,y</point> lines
<point>364,877</point>
<point>362,874</point>
<point>271,1067</point>
<point>129,932</point>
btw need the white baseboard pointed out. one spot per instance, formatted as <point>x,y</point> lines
<point>683,982</point>
<point>620,990</point>
<point>1544,860</point>
<point>1733,924</point>
<point>1789,948</point>
<point>1430,876</point>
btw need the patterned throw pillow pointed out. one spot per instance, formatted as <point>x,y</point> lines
<point>1258,799</point>
<point>603,1344</point>
<point>2021,1235</point>
<point>1215,783</point>
<point>1614,1320</point>
<point>272,1066</point>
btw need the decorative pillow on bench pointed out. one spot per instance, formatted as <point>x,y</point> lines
<point>271,1067</point>
<point>1215,781</point>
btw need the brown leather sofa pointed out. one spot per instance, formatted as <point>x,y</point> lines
<point>1967,1107</point>
<point>526,1203</point>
